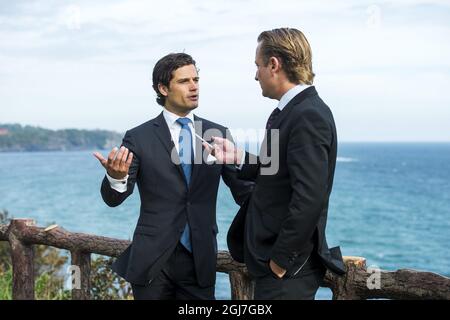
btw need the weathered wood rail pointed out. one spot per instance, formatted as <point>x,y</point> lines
<point>360,282</point>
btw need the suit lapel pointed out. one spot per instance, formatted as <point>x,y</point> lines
<point>163,133</point>
<point>265,146</point>
<point>296,100</point>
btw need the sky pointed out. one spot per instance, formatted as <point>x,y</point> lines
<point>383,67</point>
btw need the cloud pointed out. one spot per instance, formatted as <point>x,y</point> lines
<point>89,64</point>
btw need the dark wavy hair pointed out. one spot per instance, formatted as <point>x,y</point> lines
<point>163,71</point>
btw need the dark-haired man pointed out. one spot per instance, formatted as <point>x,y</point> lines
<point>174,247</point>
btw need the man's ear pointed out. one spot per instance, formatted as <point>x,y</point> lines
<point>163,89</point>
<point>275,64</point>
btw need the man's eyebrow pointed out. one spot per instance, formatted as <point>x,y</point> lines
<point>187,79</point>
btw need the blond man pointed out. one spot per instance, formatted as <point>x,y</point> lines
<point>280,232</point>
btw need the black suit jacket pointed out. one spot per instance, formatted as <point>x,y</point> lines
<point>286,215</point>
<point>166,202</point>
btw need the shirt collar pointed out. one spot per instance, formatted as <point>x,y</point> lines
<point>290,94</point>
<point>171,118</point>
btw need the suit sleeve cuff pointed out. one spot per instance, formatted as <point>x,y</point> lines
<point>283,260</point>
<point>120,185</point>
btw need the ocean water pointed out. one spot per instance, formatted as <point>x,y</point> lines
<point>390,202</point>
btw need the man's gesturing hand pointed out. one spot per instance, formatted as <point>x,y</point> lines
<point>118,162</point>
<point>225,151</point>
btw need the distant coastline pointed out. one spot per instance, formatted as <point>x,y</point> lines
<point>18,138</point>
<point>26,138</point>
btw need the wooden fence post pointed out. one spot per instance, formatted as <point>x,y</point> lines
<point>82,263</point>
<point>242,286</point>
<point>343,286</point>
<point>22,255</point>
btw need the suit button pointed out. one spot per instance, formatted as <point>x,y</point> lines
<point>188,203</point>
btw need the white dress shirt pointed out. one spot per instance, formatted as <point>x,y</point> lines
<point>290,94</point>
<point>120,185</point>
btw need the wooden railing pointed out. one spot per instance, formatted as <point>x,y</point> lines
<point>358,283</point>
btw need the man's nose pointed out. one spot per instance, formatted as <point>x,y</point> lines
<point>193,85</point>
<point>256,76</point>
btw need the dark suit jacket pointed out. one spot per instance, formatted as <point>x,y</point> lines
<point>286,215</point>
<point>166,202</point>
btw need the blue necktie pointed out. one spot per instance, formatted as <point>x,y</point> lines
<point>186,156</point>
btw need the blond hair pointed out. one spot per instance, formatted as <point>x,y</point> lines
<point>291,47</point>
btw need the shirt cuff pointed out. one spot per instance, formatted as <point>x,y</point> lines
<point>239,167</point>
<point>120,185</point>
